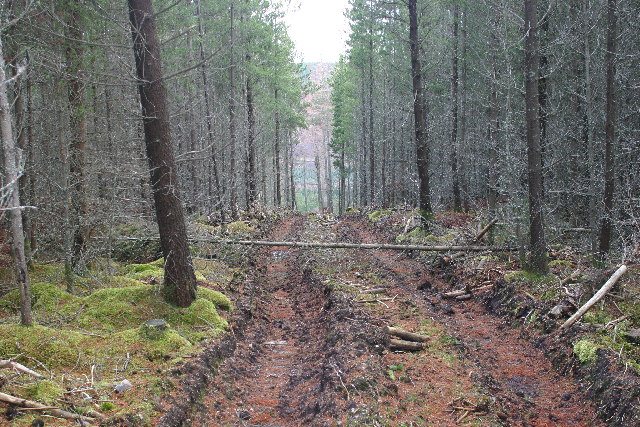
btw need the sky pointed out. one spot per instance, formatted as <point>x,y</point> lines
<point>318,28</point>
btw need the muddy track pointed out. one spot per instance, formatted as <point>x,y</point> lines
<point>520,377</point>
<point>279,373</point>
<point>304,352</point>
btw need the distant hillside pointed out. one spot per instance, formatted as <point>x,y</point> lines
<point>318,112</point>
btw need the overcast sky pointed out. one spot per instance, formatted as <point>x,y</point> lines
<point>318,28</point>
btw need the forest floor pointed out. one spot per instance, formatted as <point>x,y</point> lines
<point>311,348</point>
<point>305,340</point>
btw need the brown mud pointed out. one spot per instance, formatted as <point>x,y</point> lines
<point>308,348</point>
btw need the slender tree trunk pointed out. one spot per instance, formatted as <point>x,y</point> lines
<point>233,191</point>
<point>292,179</point>
<point>610,128</point>
<point>419,115</point>
<point>207,106</point>
<point>251,143</point>
<point>12,176</point>
<point>494,122</point>
<point>457,202</point>
<point>78,123</point>
<point>319,181</point>
<point>179,277</point>
<point>372,169</point>
<point>538,261</point>
<point>329,173</point>
<point>276,155</point>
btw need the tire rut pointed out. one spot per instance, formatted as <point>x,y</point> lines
<point>520,378</point>
<point>277,375</point>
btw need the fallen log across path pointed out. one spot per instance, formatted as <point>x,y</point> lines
<point>338,245</point>
<point>346,245</point>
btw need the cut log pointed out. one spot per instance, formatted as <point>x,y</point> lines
<point>455,294</point>
<point>20,368</point>
<point>464,297</point>
<point>405,335</point>
<point>39,406</point>
<point>594,299</point>
<point>405,345</point>
<point>485,230</point>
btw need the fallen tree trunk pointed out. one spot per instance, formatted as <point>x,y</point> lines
<point>405,345</point>
<point>405,335</point>
<point>594,299</point>
<point>39,406</point>
<point>345,245</point>
<point>337,245</point>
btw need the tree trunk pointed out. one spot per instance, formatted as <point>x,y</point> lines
<point>207,106</point>
<point>233,191</point>
<point>419,115</point>
<point>251,143</point>
<point>538,261</point>
<point>494,122</point>
<point>276,154</point>
<point>319,181</point>
<point>610,129</point>
<point>372,169</point>
<point>12,176</point>
<point>457,202</point>
<point>78,123</point>
<point>179,277</point>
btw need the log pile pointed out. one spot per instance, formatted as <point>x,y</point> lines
<point>399,339</point>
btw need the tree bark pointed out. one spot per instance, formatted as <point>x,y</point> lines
<point>12,175</point>
<point>179,281</point>
<point>610,129</point>
<point>78,124</point>
<point>419,115</point>
<point>457,201</point>
<point>276,154</point>
<point>233,191</point>
<point>207,105</point>
<point>251,143</point>
<point>538,260</point>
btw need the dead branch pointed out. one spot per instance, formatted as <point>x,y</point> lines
<point>38,406</point>
<point>405,335</point>
<point>373,291</point>
<point>485,230</point>
<point>20,368</point>
<point>594,299</point>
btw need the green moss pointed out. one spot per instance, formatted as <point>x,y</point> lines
<point>219,299</point>
<point>596,316</point>
<point>560,263</point>
<point>523,276</point>
<point>240,227</point>
<point>107,406</point>
<point>585,351</point>
<point>45,391</point>
<point>352,210</point>
<point>54,348</point>
<point>376,216</point>
<point>170,345</point>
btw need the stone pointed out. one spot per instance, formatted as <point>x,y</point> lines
<point>123,386</point>
<point>154,329</point>
<point>633,336</point>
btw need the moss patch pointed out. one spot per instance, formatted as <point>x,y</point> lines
<point>523,276</point>
<point>585,351</point>
<point>240,227</point>
<point>45,391</point>
<point>376,216</point>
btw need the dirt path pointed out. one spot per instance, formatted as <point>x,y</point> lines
<point>313,352</point>
<point>277,374</point>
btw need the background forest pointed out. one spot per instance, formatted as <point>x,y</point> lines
<point>238,103</point>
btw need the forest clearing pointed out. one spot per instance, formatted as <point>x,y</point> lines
<point>434,222</point>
